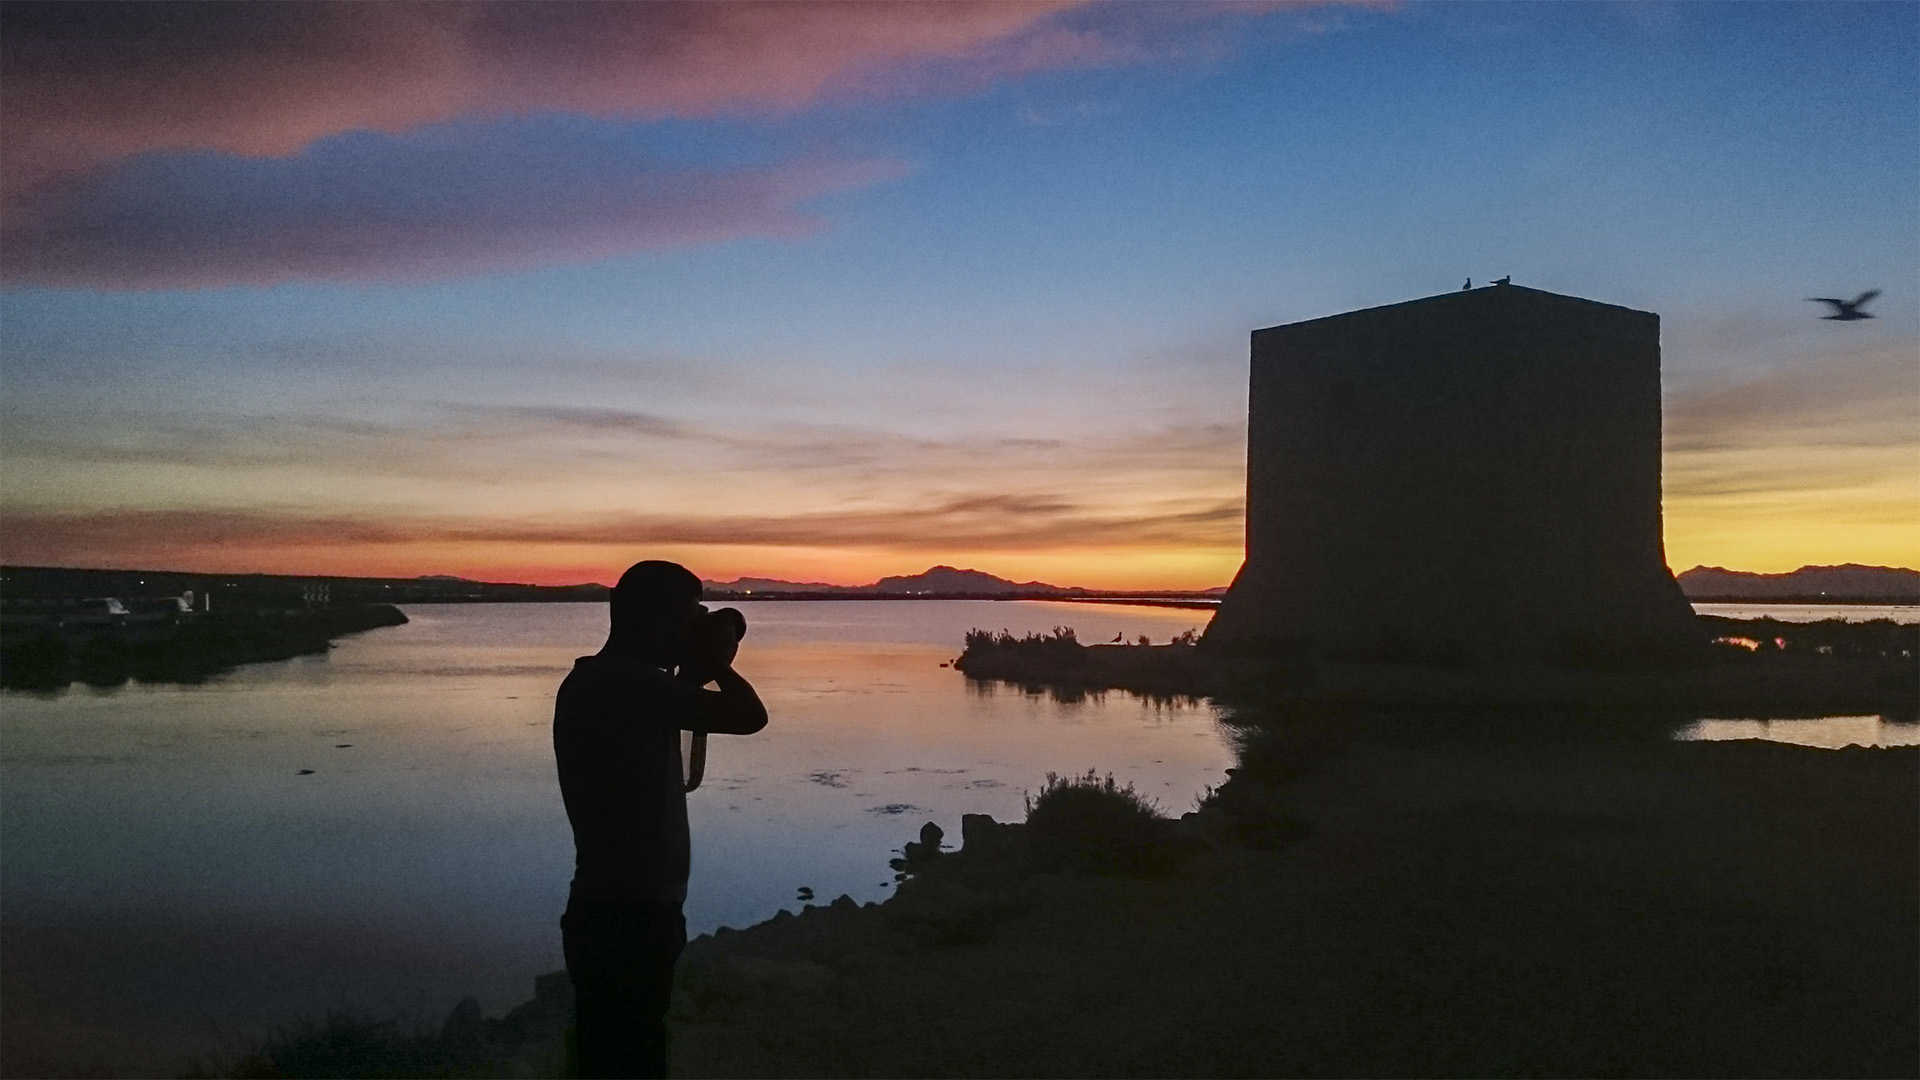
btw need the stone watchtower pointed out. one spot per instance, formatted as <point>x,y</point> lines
<point>1472,475</point>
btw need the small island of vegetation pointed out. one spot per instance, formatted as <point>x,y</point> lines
<point>1761,667</point>
<point>103,643</point>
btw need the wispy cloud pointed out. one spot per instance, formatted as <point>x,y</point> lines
<point>371,207</point>
<point>459,442</point>
<point>1815,455</point>
<point>1865,398</point>
<point>1021,523</point>
<point>195,144</point>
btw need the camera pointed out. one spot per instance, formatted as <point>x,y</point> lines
<point>712,636</point>
<point>731,619</point>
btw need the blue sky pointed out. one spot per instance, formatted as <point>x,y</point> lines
<point>800,322</point>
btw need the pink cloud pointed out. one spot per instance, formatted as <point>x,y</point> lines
<point>88,83</point>
<point>166,145</point>
<point>85,84</point>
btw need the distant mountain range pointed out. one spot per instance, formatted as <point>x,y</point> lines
<point>1850,583</point>
<point>934,581</point>
<point>1809,584</point>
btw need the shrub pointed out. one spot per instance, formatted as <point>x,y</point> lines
<point>1062,637</point>
<point>1092,821</point>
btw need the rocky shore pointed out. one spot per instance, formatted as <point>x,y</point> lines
<point>1371,892</point>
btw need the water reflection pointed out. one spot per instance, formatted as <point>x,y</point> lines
<point>1829,732</point>
<point>425,856</point>
<point>1904,614</point>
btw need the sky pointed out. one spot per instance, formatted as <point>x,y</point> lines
<point>830,292</point>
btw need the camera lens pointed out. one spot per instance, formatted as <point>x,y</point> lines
<point>735,622</point>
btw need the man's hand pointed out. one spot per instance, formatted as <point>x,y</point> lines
<point>710,651</point>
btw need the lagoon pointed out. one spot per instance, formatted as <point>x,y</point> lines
<point>175,881</point>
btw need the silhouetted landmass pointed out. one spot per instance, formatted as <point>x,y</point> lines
<point>188,651</point>
<point>1811,584</point>
<point>246,589</point>
<point>936,583</point>
<point>1850,583</point>
<point>1760,667</point>
<point>935,580</point>
<point>945,583</point>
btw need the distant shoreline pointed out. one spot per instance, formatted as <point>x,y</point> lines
<point>30,581</point>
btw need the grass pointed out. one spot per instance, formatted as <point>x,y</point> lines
<point>355,1044</point>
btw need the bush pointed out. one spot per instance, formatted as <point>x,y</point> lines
<point>350,1044</point>
<point>1062,638</point>
<point>1091,821</point>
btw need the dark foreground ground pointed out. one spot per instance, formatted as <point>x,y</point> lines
<point>1374,893</point>
<point>1455,907</point>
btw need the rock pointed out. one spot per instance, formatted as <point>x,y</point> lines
<point>465,1027</point>
<point>978,831</point>
<point>927,847</point>
<point>843,902</point>
<point>981,835</point>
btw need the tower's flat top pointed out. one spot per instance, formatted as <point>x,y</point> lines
<point>1485,298</point>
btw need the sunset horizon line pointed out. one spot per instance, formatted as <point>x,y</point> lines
<point>548,580</point>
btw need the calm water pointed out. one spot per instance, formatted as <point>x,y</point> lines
<point>172,882</point>
<point>1830,732</point>
<point>1907,614</point>
<point>1827,732</point>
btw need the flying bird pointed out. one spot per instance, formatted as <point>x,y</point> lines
<point>1846,310</point>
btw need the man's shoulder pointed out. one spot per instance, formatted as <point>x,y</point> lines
<point>598,680</point>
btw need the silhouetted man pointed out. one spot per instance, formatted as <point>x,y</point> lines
<point>616,740</point>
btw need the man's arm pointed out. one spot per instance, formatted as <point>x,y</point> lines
<point>731,709</point>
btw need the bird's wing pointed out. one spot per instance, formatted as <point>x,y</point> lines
<point>1837,304</point>
<point>1864,297</point>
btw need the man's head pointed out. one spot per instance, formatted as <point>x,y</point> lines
<point>653,605</point>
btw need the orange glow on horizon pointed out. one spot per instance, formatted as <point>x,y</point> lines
<point>1118,569</point>
<point>1736,541</point>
